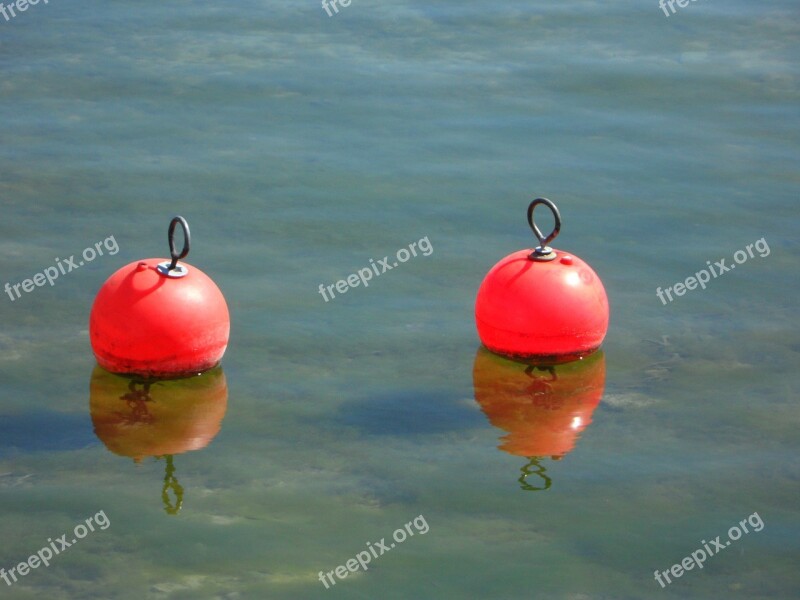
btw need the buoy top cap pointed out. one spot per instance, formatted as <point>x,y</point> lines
<point>175,272</point>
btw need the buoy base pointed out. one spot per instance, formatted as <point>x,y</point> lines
<point>118,366</point>
<point>543,359</point>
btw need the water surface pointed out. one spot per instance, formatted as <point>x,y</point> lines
<point>300,146</point>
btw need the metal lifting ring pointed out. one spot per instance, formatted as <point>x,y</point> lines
<point>543,251</point>
<point>173,269</point>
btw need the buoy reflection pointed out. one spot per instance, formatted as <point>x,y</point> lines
<point>140,418</point>
<point>542,409</point>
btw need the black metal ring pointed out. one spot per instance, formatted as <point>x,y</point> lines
<point>543,241</point>
<point>187,240</point>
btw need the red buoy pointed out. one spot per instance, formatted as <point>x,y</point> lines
<point>545,304</point>
<point>160,318</point>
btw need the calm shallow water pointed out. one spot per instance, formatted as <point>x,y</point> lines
<point>300,146</point>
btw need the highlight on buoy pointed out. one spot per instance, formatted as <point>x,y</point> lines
<point>542,409</point>
<point>544,304</point>
<point>140,418</point>
<point>160,318</point>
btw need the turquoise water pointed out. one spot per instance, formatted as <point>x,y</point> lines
<point>300,146</point>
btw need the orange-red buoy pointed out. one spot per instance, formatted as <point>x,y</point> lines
<point>160,318</point>
<point>545,304</point>
<point>542,409</point>
<point>140,418</point>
